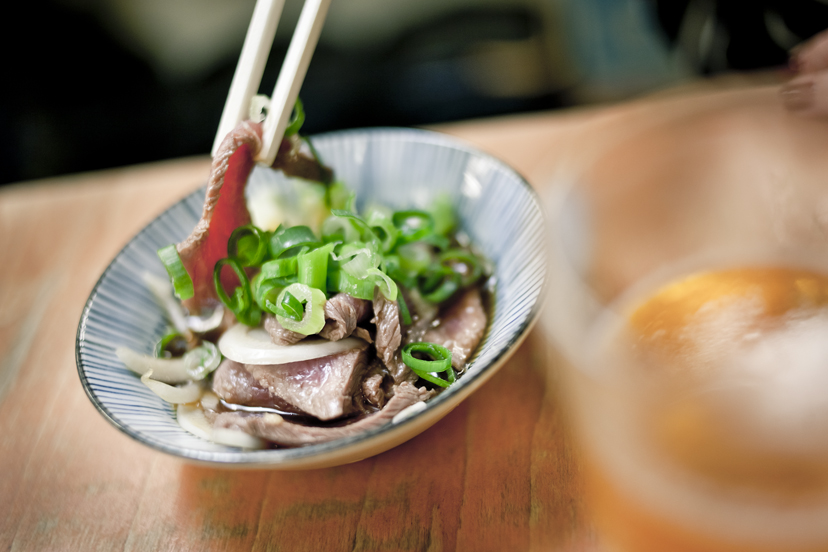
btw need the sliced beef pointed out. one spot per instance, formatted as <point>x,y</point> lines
<point>278,334</point>
<point>291,161</point>
<point>323,387</point>
<point>387,320</point>
<point>342,314</point>
<point>224,210</point>
<point>460,328</point>
<point>234,384</point>
<point>274,428</point>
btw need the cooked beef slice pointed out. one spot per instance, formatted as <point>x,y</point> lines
<point>389,336</point>
<point>274,428</point>
<point>234,384</point>
<point>278,334</point>
<point>460,328</point>
<point>291,161</point>
<point>322,387</point>
<point>342,314</point>
<point>224,210</point>
<point>225,207</point>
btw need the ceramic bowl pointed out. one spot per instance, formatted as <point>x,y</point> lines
<point>396,167</point>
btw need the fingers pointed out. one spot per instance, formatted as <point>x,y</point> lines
<point>807,94</point>
<point>811,56</point>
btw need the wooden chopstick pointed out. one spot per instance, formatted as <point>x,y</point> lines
<point>249,71</point>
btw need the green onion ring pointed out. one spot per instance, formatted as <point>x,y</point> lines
<point>453,256</point>
<point>426,369</point>
<point>181,281</point>
<point>297,119</point>
<point>240,304</point>
<point>413,225</point>
<point>239,245</point>
<point>286,241</point>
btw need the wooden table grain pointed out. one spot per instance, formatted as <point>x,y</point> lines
<point>498,473</point>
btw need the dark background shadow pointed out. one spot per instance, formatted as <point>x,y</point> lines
<point>79,95</point>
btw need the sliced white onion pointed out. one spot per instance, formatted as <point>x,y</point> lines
<point>192,419</point>
<point>193,366</point>
<point>162,290</point>
<point>236,438</point>
<point>177,395</point>
<point>254,346</point>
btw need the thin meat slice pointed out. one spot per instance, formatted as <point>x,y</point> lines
<point>389,333</point>
<point>460,328</point>
<point>323,387</point>
<point>342,314</point>
<point>278,334</point>
<point>224,210</point>
<point>234,384</point>
<point>274,428</point>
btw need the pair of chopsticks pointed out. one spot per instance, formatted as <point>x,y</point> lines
<point>251,65</point>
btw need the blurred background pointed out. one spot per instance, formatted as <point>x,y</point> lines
<point>92,84</point>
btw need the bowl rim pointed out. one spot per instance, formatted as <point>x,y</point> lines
<point>299,457</point>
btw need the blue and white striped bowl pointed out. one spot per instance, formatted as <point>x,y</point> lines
<point>396,167</point>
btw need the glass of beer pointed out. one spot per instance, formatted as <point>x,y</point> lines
<point>688,299</point>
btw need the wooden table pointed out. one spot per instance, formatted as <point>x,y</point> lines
<point>498,473</point>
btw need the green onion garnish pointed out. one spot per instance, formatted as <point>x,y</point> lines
<point>248,244</point>
<point>288,241</point>
<point>181,281</point>
<point>266,291</point>
<point>440,361</point>
<point>297,119</point>
<point>473,270</point>
<point>291,307</point>
<point>247,312</point>
<point>313,319</point>
<point>413,225</point>
<point>172,345</point>
<point>312,267</point>
<point>438,283</point>
<point>405,314</point>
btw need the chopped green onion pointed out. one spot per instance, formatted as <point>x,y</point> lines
<point>366,234</point>
<point>279,268</point>
<point>442,211</point>
<point>297,119</point>
<point>436,240</point>
<point>288,241</point>
<point>473,270</point>
<point>291,307</point>
<point>358,257</point>
<point>428,369</point>
<point>172,345</point>
<point>266,291</point>
<point>248,244</point>
<point>181,281</point>
<point>314,309</point>
<point>387,286</point>
<point>415,257</point>
<point>312,267</point>
<point>340,281</point>
<point>337,195</point>
<point>381,223</point>
<point>413,225</point>
<point>405,314</point>
<point>246,311</point>
<point>438,283</point>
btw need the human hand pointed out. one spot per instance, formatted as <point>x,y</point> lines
<point>807,92</point>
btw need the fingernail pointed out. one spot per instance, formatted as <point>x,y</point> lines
<point>798,96</point>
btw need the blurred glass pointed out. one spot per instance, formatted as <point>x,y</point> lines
<point>688,298</point>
